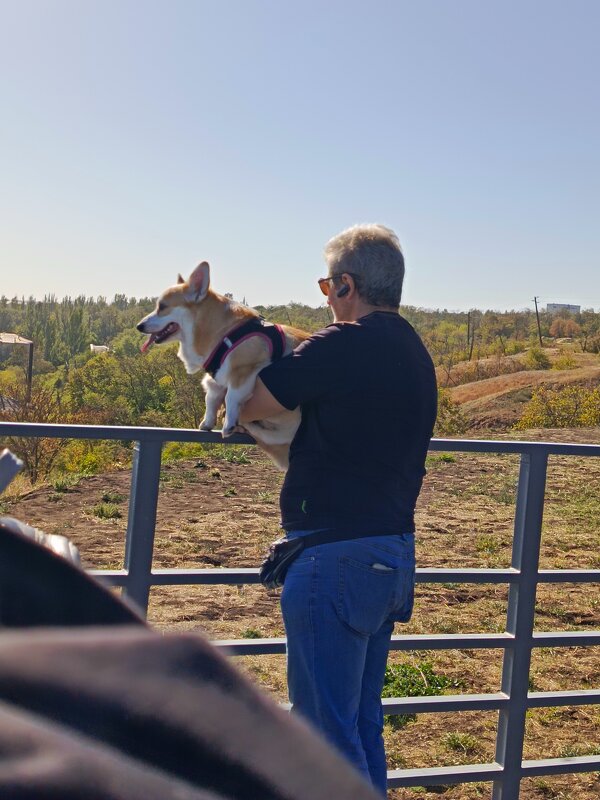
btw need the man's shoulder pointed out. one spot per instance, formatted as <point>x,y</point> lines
<point>330,335</point>
<point>389,325</point>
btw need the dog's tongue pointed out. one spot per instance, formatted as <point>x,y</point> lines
<point>148,342</point>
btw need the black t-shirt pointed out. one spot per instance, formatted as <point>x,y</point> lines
<point>369,401</point>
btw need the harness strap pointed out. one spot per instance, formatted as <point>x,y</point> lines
<point>273,334</point>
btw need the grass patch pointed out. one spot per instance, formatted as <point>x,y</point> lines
<point>179,478</point>
<point>581,502</point>
<point>107,511</point>
<point>575,750</point>
<point>412,680</point>
<point>498,487</point>
<point>233,455</point>
<point>174,481</point>
<point>112,497</point>
<point>464,743</point>
<point>442,458</point>
<point>265,497</point>
<point>229,492</point>
<point>64,483</point>
<point>487,544</point>
<point>251,633</point>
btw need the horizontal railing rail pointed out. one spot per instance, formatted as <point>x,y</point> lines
<point>517,641</point>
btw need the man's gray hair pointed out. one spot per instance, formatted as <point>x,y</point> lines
<point>372,254</point>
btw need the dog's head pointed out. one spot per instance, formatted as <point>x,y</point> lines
<point>176,308</point>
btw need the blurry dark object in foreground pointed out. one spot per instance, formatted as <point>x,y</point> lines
<point>114,711</point>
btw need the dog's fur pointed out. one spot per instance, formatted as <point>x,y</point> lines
<point>198,318</point>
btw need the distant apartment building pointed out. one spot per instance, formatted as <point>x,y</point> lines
<point>562,308</point>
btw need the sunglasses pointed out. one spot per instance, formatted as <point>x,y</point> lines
<point>325,283</point>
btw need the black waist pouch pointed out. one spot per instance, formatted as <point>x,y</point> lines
<point>282,553</point>
<point>273,569</point>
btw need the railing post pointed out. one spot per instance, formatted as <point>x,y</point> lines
<point>141,522</point>
<point>520,622</point>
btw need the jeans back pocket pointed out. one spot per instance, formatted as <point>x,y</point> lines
<point>366,594</point>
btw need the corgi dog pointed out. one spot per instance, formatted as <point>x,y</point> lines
<point>232,343</point>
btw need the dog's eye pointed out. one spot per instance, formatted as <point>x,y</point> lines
<point>162,306</point>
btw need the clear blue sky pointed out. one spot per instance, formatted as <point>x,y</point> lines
<point>138,138</point>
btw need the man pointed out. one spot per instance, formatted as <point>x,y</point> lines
<point>366,385</point>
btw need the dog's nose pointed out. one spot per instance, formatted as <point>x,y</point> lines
<point>140,327</point>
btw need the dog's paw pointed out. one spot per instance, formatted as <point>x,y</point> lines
<point>231,429</point>
<point>206,426</point>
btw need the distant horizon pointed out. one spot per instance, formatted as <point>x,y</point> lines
<point>110,299</point>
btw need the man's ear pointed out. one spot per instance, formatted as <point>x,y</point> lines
<point>199,282</point>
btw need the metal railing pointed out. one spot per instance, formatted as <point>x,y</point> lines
<point>517,641</point>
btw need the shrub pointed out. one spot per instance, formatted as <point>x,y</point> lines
<point>513,347</point>
<point>569,407</point>
<point>173,451</point>
<point>537,359</point>
<point>450,419</point>
<point>564,361</point>
<point>593,344</point>
<point>88,457</point>
<point>63,483</point>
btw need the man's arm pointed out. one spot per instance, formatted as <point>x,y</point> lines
<point>260,405</point>
<point>312,369</point>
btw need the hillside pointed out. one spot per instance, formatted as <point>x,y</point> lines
<point>497,403</point>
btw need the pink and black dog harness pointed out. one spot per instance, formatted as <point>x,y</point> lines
<point>273,334</point>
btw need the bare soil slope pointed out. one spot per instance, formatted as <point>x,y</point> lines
<point>497,403</point>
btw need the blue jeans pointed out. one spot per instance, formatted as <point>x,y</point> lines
<point>339,604</point>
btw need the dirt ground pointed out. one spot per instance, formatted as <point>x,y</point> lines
<point>221,510</point>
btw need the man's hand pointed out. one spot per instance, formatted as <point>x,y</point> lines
<point>260,405</point>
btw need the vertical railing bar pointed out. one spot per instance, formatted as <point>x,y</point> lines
<point>520,622</point>
<point>141,522</point>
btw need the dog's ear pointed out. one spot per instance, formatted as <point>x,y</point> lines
<point>199,282</point>
<point>180,279</point>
